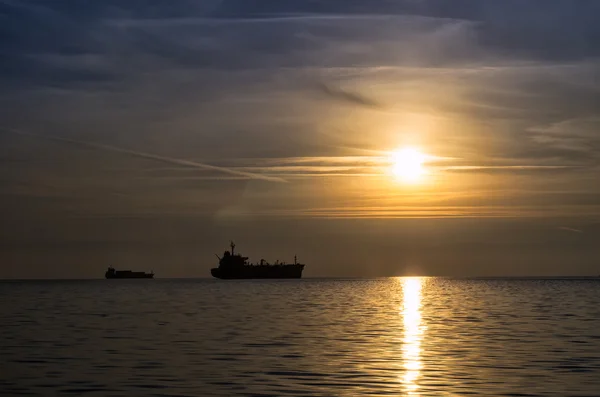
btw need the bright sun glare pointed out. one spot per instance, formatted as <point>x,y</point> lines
<point>407,164</point>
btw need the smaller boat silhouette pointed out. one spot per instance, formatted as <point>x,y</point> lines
<point>112,273</point>
<point>236,266</point>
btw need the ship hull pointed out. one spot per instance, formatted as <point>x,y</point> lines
<point>129,276</point>
<point>284,272</point>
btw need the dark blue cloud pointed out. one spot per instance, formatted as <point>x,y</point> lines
<point>556,29</point>
<point>189,34</point>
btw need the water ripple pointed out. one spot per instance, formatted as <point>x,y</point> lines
<point>410,337</point>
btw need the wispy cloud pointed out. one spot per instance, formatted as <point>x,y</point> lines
<point>181,162</point>
<point>570,229</point>
<point>378,165</point>
<point>348,96</point>
<point>410,212</point>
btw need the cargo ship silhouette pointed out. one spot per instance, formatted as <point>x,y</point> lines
<point>112,273</point>
<point>235,266</point>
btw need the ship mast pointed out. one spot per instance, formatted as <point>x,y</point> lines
<point>232,245</point>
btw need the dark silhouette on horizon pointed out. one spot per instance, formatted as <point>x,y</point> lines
<point>112,273</point>
<point>235,266</point>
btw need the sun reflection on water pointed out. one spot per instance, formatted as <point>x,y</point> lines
<point>413,333</point>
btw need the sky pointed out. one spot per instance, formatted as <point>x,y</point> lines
<point>147,134</point>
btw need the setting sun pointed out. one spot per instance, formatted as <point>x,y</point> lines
<point>407,164</point>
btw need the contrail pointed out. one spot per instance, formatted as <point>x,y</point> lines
<point>151,156</point>
<point>570,229</point>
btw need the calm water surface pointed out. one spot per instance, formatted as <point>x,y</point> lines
<point>405,337</point>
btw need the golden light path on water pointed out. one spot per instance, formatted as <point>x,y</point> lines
<point>413,333</point>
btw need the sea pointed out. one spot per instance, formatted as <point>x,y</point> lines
<point>308,337</point>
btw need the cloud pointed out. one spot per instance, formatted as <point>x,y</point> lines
<point>578,136</point>
<point>232,83</point>
<point>570,229</point>
<point>510,169</point>
<point>151,156</point>
<point>348,96</point>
